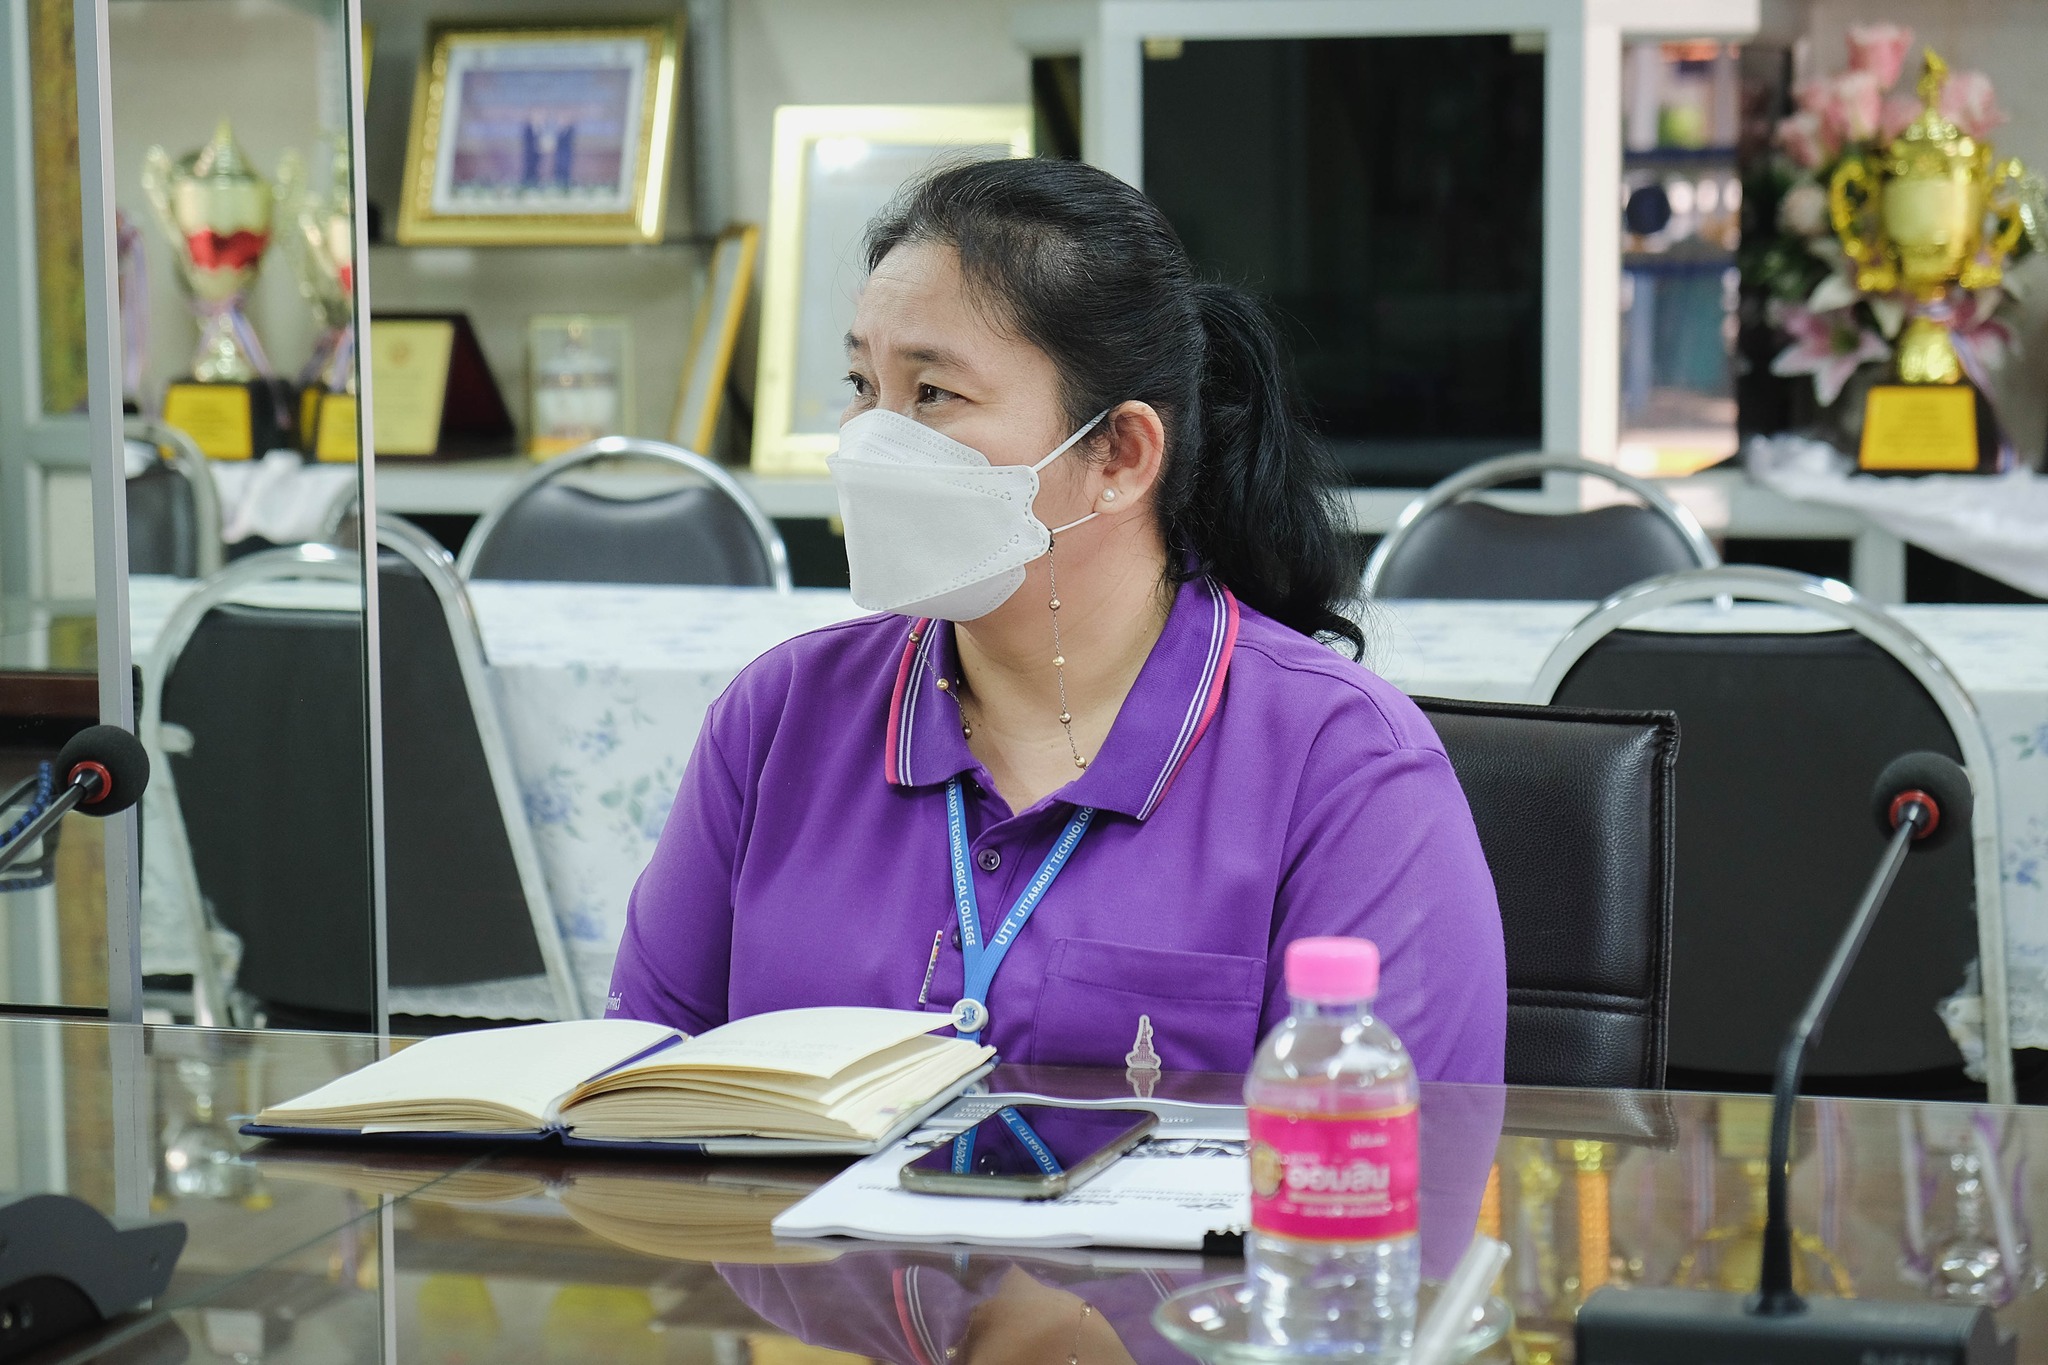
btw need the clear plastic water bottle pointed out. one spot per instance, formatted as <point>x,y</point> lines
<point>1333,1254</point>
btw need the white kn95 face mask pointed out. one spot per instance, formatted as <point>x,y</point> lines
<point>932,528</point>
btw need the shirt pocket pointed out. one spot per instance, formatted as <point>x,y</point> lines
<point>1204,1007</point>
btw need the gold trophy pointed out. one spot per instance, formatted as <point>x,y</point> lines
<point>1729,1255</point>
<point>1913,219</point>
<point>324,230</point>
<point>215,211</point>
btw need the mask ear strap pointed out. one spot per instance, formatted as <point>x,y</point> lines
<point>1068,444</point>
<point>1062,530</point>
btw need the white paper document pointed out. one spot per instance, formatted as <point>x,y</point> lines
<point>1191,1180</point>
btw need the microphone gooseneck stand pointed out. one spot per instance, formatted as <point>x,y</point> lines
<point>1921,798</point>
<point>86,785</point>
<point>104,771</point>
<point>1774,1292</point>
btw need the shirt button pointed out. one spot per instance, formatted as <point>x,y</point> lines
<point>990,860</point>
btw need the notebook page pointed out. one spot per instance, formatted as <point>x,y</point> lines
<point>1155,1197</point>
<point>525,1068</point>
<point>818,1042</point>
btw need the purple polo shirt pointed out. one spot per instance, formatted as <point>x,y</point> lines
<point>1256,788</point>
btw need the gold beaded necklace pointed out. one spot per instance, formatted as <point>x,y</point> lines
<point>958,688</point>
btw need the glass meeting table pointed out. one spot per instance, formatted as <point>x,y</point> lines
<point>316,1253</point>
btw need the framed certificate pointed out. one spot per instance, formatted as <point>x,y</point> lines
<point>552,135</point>
<point>835,167</point>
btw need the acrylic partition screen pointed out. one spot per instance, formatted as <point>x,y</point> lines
<point>232,179</point>
<point>1384,195</point>
<point>53,904</point>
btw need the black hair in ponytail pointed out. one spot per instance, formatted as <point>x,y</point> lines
<point>1088,270</point>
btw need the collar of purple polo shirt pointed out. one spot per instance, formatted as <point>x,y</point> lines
<point>1169,706</point>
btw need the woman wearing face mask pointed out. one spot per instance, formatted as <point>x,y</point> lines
<point>1091,770</point>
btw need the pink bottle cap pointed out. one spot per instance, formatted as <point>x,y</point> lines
<point>1333,971</point>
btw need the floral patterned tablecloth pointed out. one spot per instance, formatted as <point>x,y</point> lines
<point>603,688</point>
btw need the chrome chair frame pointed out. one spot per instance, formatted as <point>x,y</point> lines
<point>615,447</point>
<point>425,554</point>
<point>347,502</point>
<point>1841,603</point>
<point>183,455</point>
<point>1489,473</point>
<point>312,561</point>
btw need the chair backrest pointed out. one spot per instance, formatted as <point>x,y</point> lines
<point>270,702</point>
<point>1574,811</point>
<point>272,699</point>
<point>1443,546</point>
<point>1785,734</point>
<point>173,507</point>
<point>467,900</point>
<point>546,530</point>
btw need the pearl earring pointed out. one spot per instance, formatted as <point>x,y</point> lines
<point>1109,495</point>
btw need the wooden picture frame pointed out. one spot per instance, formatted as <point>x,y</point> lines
<point>834,167</point>
<point>700,391</point>
<point>542,135</point>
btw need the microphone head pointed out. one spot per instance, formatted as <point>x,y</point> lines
<point>1941,780</point>
<point>119,754</point>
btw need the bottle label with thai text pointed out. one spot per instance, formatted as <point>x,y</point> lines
<point>1335,1177</point>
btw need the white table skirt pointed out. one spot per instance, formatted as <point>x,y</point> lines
<point>603,689</point>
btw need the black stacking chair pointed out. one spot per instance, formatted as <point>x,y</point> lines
<point>1574,811</point>
<point>259,717</point>
<point>1446,545</point>
<point>545,529</point>
<point>173,507</point>
<point>1785,734</point>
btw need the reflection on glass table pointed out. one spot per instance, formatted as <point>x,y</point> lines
<point>140,1123</point>
<point>316,1253</point>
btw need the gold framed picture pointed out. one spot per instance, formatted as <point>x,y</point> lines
<point>701,391</point>
<point>557,135</point>
<point>834,167</point>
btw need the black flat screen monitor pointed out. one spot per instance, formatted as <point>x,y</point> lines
<point>1385,195</point>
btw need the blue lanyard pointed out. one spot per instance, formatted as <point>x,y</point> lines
<point>981,960</point>
<point>1041,1155</point>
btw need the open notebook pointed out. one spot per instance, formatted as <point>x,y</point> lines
<point>831,1079</point>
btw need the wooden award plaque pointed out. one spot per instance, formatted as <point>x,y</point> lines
<point>432,394</point>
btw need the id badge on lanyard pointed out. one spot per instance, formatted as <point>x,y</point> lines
<point>981,960</point>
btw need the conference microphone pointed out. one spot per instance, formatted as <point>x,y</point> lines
<point>103,771</point>
<point>1921,800</point>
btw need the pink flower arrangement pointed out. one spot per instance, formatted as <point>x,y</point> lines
<point>1898,112</point>
<point>1804,138</point>
<point>1859,104</point>
<point>1880,49</point>
<point>1968,102</point>
<point>1829,346</point>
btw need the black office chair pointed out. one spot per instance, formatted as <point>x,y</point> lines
<point>1785,733</point>
<point>1574,811</point>
<point>261,711</point>
<point>173,507</point>
<point>1444,546</point>
<point>545,529</point>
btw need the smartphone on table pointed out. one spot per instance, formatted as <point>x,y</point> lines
<point>1029,1151</point>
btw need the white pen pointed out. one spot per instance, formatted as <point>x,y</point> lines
<point>924,991</point>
